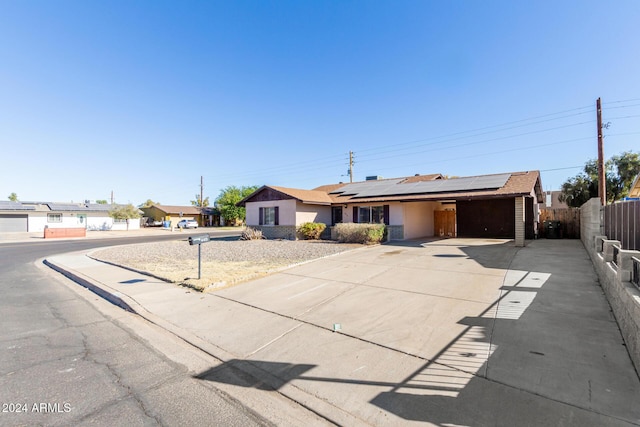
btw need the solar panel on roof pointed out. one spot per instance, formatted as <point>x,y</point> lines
<point>357,187</point>
<point>66,207</point>
<point>394,188</point>
<point>14,206</point>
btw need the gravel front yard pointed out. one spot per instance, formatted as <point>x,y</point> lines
<point>224,263</point>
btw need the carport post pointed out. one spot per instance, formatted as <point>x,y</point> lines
<point>519,221</point>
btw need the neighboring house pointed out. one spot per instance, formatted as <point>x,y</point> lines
<point>173,214</point>
<point>211,217</point>
<point>490,206</point>
<point>552,200</point>
<point>634,192</point>
<point>35,216</point>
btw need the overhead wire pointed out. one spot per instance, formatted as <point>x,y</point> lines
<point>408,148</point>
<point>490,127</point>
<point>488,140</point>
<point>492,153</point>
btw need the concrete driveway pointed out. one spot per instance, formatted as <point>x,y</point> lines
<point>444,332</point>
<point>427,328</point>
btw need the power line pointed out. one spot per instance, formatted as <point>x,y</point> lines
<point>491,127</point>
<point>621,101</point>
<point>623,117</point>
<point>623,106</point>
<point>530,147</point>
<point>561,169</point>
<point>408,148</point>
<point>483,141</point>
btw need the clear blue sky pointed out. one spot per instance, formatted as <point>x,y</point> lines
<point>143,97</point>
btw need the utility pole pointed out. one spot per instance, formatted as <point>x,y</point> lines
<point>602,179</point>
<point>201,207</point>
<point>111,196</point>
<point>350,166</point>
<point>201,192</point>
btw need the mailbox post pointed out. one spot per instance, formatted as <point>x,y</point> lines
<point>199,240</point>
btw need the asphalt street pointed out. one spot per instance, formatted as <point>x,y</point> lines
<point>70,358</point>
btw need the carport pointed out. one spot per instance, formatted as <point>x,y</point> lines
<point>495,218</point>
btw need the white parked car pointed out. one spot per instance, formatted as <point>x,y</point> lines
<point>188,223</point>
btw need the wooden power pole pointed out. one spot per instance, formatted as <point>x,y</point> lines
<point>602,179</point>
<point>201,201</point>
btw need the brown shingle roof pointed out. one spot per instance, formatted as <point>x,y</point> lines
<point>186,210</point>
<point>421,178</point>
<point>305,196</point>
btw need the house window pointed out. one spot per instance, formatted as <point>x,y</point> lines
<point>54,217</point>
<point>371,215</point>
<point>268,216</point>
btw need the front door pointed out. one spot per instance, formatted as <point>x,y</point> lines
<point>336,215</point>
<point>82,220</point>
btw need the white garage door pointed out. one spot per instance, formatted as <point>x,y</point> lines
<point>13,223</point>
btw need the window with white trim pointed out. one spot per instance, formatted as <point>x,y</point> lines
<point>54,217</point>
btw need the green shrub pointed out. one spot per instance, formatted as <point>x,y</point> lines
<point>367,234</point>
<point>311,230</point>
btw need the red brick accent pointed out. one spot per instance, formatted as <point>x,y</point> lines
<point>50,233</point>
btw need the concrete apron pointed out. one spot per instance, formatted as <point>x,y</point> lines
<point>457,331</point>
<point>429,329</point>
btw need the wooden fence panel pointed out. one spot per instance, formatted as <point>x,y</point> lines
<point>569,219</point>
<point>622,222</point>
<point>445,223</point>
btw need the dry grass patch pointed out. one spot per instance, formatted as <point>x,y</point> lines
<point>224,263</point>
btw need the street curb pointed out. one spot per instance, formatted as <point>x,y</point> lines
<point>300,397</point>
<point>112,296</point>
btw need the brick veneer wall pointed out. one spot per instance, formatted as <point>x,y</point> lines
<point>287,232</point>
<point>64,232</point>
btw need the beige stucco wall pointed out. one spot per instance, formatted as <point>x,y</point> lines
<point>396,214</point>
<point>286,211</point>
<point>312,213</point>
<point>418,219</point>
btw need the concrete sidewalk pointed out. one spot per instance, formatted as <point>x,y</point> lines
<point>447,332</point>
<point>21,237</point>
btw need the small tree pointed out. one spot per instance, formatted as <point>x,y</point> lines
<point>226,202</point>
<point>124,212</point>
<point>13,197</point>
<point>148,204</point>
<point>101,202</point>
<point>198,202</point>
<point>620,172</point>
